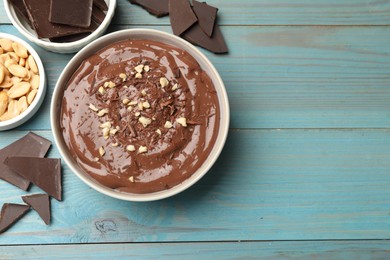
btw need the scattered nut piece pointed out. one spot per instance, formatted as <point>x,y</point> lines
<point>143,92</point>
<point>102,151</point>
<point>182,121</point>
<point>145,121</point>
<point>168,125</point>
<point>132,103</point>
<point>142,149</point>
<point>158,131</point>
<point>130,148</point>
<point>113,131</point>
<point>146,104</point>
<point>123,76</point>
<point>125,101</point>
<point>116,144</point>
<point>137,114</point>
<point>102,112</point>
<point>146,68</point>
<point>138,76</point>
<point>174,87</point>
<point>129,108</point>
<point>140,106</point>
<point>164,82</point>
<point>106,133</point>
<point>93,108</point>
<point>101,90</point>
<point>105,125</point>
<point>96,159</point>
<point>131,178</point>
<point>139,68</point>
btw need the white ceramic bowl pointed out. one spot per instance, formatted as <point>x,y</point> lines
<point>68,47</point>
<point>149,35</point>
<point>34,106</point>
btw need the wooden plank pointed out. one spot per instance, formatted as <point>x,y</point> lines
<point>276,12</point>
<point>229,250</point>
<point>290,77</point>
<point>267,185</point>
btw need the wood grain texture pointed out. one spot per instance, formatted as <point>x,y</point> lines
<point>276,12</point>
<point>289,77</point>
<point>341,250</point>
<point>267,185</point>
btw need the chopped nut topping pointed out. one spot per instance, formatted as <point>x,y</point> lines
<point>125,101</point>
<point>109,84</point>
<point>102,151</point>
<point>146,68</point>
<point>140,106</point>
<point>182,121</point>
<point>132,103</point>
<point>102,112</point>
<point>139,68</point>
<point>143,92</point>
<point>142,149</point>
<point>158,131</point>
<point>146,104</point>
<point>96,159</point>
<point>130,148</point>
<point>138,76</point>
<point>131,178</point>
<point>168,124</point>
<point>137,114</point>
<point>123,76</point>
<point>174,87</point>
<point>129,108</point>
<point>106,132</point>
<point>93,108</point>
<point>164,82</point>
<point>115,144</point>
<point>105,125</point>
<point>145,121</point>
<point>113,131</point>
<point>101,90</point>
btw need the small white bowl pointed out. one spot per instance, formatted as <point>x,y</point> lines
<point>68,47</point>
<point>34,106</point>
<point>146,34</point>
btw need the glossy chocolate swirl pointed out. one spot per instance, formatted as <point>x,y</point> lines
<point>140,116</point>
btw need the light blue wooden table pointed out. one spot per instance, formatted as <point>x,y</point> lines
<point>306,168</point>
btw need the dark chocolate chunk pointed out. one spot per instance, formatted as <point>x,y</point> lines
<point>97,15</point>
<point>43,172</point>
<point>10,214</point>
<point>38,11</point>
<point>41,204</point>
<point>20,9</point>
<point>181,15</point>
<point>71,12</point>
<point>215,44</point>
<point>101,4</point>
<point>29,145</point>
<point>157,8</point>
<point>207,16</point>
<point>70,38</point>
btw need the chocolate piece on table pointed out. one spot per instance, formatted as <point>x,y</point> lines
<point>38,11</point>
<point>43,172</point>
<point>20,8</point>
<point>157,8</point>
<point>29,145</point>
<point>101,4</point>
<point>41,204</point>
<point>97,15</point>
<point>11,213</point>
<point>207,15</point>
<point>181,15</point>
<point>214,44</point>
<point>70,38</point>
<point>71,12</point>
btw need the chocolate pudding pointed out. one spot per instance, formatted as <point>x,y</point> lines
<point>140,116</point>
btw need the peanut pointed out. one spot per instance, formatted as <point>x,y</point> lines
<point>32,64</point>
<point>6,44</point>
<point>18,70</point>
<point>34,81</point>
<point>31,96</point>
<point>22,104</point>
<point>3,102</point>
<point>20,50</point>
<point>19,89</point>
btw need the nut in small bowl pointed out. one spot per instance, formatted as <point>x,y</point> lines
<point>22,82</point>
<point>67,42</point>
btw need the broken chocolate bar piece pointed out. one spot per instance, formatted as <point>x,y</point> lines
<point>157,8</point>
<point>20,8</point>
<point>215,44</point>
<point>97,15</point>
<point>43,172</point>
<point>10,214</point>
<point>29,145</point>
<point>38,11</point>
<point>71,12</point>
<point>41,204</point>
<point>70,38</point>
<point>207,16</point>
<point>181,16</point>
<point>101,4</point>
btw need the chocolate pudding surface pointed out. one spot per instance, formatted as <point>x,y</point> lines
<point>140,116</point>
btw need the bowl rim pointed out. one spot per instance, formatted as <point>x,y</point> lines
<point>214,154</point>
<point>66,45</point>
<point>40,96</point>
